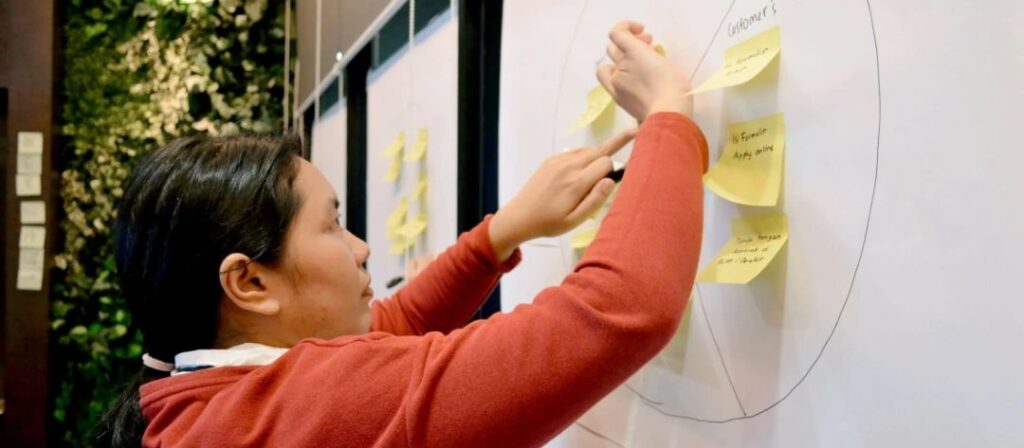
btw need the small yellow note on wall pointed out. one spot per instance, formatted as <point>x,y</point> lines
<point>598,101</point>
<point>419,147</point>
<point>414,227</point>
<point>755,242</point>
<point>749,171</point>
<point>399,246</point>
<point>582,239</point>
<point>421,188</point>
<point>396,147</point>
<point>397,218</point>
<point>744,61</point>
<point>394,170</point>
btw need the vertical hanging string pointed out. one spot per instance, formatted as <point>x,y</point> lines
<point>412,59</point>
<point>410,108</point>
<point>285,106</point>
<point>316,75</point>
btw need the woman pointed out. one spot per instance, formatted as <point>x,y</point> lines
<point>254,299</point>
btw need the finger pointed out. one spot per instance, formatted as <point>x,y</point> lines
<point>646,38</point>
<point>614,144</point>
<point>596,170</point>
<point>604,76</point>
<point>614,53</point>
<point>625,36</point>
<point>629,25</point>
<point>586,156</point>
<point>592,202</point>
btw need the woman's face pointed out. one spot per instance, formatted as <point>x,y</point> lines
<point>326,290</point>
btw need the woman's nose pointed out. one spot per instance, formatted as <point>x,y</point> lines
<point>360,249</point>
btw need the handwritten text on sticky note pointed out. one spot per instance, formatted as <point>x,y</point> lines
<point>744,61</point>
<point>749,171</point>
<point>755,242</point>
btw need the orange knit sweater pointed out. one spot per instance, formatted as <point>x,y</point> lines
<point>422,378</point>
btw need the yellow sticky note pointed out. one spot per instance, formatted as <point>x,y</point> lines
<point>598,101</point>
<point>397,218</point>
<point>419,148</point>
<point>749,171</point>
<point>660,49</point>
<point>582,240</point>
<point>414,227</point>
<point>396,147</point>
<point>755,242</point>
<point>399,246</point>
<point>394,170</point>
<point>744,61</point>
<point>421,188</point>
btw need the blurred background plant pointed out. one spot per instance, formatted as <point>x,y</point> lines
<point>138,74</point>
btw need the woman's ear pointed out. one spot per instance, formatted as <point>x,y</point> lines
<point>240,278</point>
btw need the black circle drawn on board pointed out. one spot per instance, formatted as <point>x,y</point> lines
<point>657,405</point>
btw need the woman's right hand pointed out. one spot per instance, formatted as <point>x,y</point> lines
<point>639,79</point>
<point>564,191</point>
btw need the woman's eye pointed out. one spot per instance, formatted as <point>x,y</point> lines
<point>337,220</point>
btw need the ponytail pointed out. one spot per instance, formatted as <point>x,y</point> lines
<point>186,206</point>
<point>123,425</point>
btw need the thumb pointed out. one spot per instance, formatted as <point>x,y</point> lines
<point>604,76</point>
<point>592,202</point>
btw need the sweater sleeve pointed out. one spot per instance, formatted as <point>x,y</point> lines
<point>514,380</point>
<point>518,379</point>
<point>447,293</point>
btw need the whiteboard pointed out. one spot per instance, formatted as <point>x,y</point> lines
<point>892,318</point>
<point>408,92</point>
<point>328,148</point>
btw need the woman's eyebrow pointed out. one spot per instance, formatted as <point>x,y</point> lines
<point>335,204</point>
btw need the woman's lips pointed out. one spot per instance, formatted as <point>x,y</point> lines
<point>368,291</point>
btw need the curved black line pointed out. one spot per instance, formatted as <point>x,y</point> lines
<point>856,270</point>
<point>561,75</point>
<point>641,395</point>
<point>597,434</point>
<point>712,42</point>
<point>718,349</point>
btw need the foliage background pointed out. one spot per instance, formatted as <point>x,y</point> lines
<point>137,74</point>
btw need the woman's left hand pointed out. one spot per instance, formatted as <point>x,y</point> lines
<point>417,265</point>
<point>564,191</point>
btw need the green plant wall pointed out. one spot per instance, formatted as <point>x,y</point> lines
<point>138,74</point>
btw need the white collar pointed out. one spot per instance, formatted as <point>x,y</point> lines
<point>247,354</point>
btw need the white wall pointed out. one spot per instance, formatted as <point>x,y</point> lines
<point>900,187</point>
<point>328,151</point>
<point>417,88</point>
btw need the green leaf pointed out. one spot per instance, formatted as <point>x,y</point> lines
<point>94,30</point>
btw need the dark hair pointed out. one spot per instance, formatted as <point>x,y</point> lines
<point>187,206</point>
